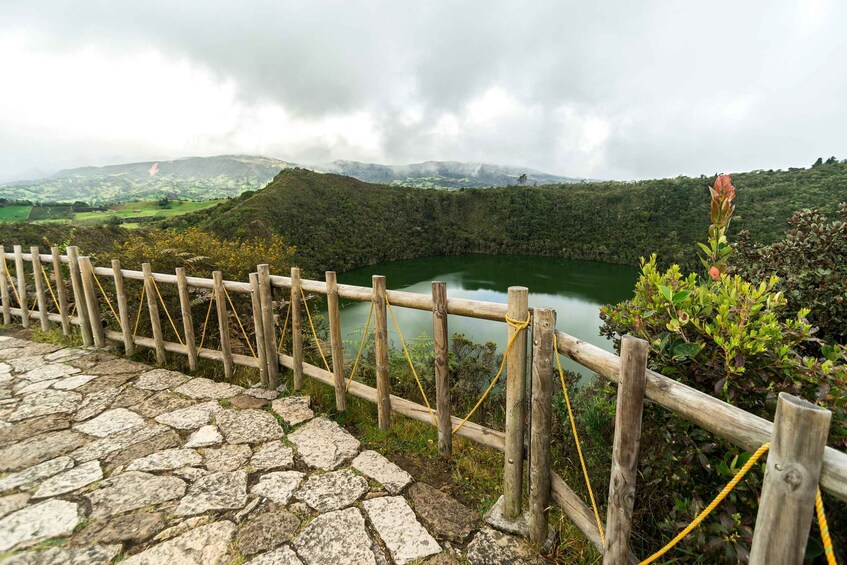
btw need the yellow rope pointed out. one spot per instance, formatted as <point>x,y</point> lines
<point>411,364</point>
<point>237,319</point>
<point>824,527</point>
<point>284,329</point>
<point>712,505</point>
<point>361,347</point>
<point>14,288</point>
<point>314,333</point>
<point>140,308</point>
<point>519,326</point>
<point>206,321</point>
<point>109,302</point>
<point>50,288</point>
<point>73,311</point>
<point>167,312</point>
<point>576,440</point>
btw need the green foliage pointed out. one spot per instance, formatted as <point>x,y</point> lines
<point>811,263</point>
<point>338,223</point>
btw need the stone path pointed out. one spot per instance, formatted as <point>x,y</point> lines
<point>103,460</point>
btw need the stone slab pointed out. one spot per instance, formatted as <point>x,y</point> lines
<point>134,527</point>
<point>207,389</point>
<point>278,486</point>
<point>166,460</point>
<point>29,525</point>
<point>323,444</point>
<point>110,422</point>
<point>442,514</point>
<point>396,524</point>
<point>227,457</point>
<point>294,409</point>
<point>248,426</point>
<point>46,402</point>
<point>93,555</point>
<point>383,471</point>
<point>160,379</point>
<point>490,547</point>
<point>280,556</point>
<point>29,452</point>
<point>33,427</point>
<point>31,475</point>
<point>266,531</point>
<point>206,436</point>
<point>191,417</point>
<point>70,480</point>
<point>332,491</point>
<point>336,537</point>
<point>215,491</point>
<point>272,455</point>
<point>207,545</point>
<point>132,490</point>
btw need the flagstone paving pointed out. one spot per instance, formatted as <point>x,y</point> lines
<point>104,460</point>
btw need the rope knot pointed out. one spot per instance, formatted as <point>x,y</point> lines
<point>518,324</point>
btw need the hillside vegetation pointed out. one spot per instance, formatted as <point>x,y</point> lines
<point>340,223</point>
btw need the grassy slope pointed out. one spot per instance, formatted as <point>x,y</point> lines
<point>145,209</point>
<point>14,213</point>
<point>340,223</point>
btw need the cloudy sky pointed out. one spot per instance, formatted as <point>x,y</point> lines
<point>602,89</point>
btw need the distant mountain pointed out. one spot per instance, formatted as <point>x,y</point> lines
<point>191,178</point>
<point>208,178</point>
<point>441,174</point>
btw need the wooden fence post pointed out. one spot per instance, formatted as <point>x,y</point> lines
<point>259,327</point>
<point>296,329</point>
<point>543,328</point>
<point>61,293</point>
<point>335,341</point>
<point>79,296</point>
<point>515,405</point>
<point>123,311</point>
<point>383,389</point>
<point>223,322</point>
<point>19,274</point>
<point>442,370</point>
<point>187,320</point>
<point>267,312</point>
<point>4,290</point>
<point>39,287</point>
<point>153,308</point>
<point>87,273</point>
<point>630,405</point>
<point>791,482</point>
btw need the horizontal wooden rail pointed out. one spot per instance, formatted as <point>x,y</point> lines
<point>729,422</point>
<point>36,315</point>
<point>195,282</point>
<point>43,256</point>
<point>173,347</point>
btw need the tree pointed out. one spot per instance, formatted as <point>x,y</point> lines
<point>818,163</point>
<point>522,179</point>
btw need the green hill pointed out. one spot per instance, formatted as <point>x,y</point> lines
<point>192,178</point>
<point>340,223</point>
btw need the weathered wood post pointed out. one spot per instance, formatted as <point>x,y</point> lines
<point>187,320</point>
<point>39,287</point>
<point>335,341</point>
<point>61,293</point>
<point>518,310</point>
<point>267,312</point>
<point>87,273</point>
<point>791,482</point>
<point>79,296</point>
<point>259,327</point>
<point>383,389</point>
<point>630,405</point>
<point>19,274</point>
<point>123,310</point>
<point>442,376</point>
<point>543,328</point>
<point>153,307</point>
<point>4,290</point>
<point>296,329</point>
<point>223,322</point>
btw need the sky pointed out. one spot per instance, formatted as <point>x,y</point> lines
<point>600,89</point>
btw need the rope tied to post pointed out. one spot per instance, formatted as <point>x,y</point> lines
<point>576,440</point>
<point>50,288</point>
<point>106,296</point>
<point>14,289</point>
<point>167,312</point>
<point>314,332</point>
<point>518,326</point>
<point>284,329</point>
<point>238,319</point>
<point>206,320</point>
<point>409,359</point>
<point>361,347</point>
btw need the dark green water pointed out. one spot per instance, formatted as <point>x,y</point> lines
<point>575,289</point>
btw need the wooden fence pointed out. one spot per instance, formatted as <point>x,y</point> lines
<point>799,459</point>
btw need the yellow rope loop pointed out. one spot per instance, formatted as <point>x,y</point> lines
<point>50,288</point>
<point>106,296</point>
<point>411,364</point>
<point>712,505</point>
<point>314,333</point>
<point>284,328</point>
<point>167,312</point>
<point>14,287</point>
<point>361,347</point>
<point>73,311</point>
<point>206,321</point>
<point>237,319</point>
<point>824,527</point>
<point>519,326</point>
<point>140,308</point>
<point>576,440</point>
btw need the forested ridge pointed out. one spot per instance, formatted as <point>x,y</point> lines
<point>339,223</point>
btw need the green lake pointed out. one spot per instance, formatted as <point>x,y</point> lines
<point>575,289</point>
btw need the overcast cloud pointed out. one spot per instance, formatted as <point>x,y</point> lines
<point>601,89</point>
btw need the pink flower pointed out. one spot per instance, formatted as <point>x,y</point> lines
<point>715,273</point>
